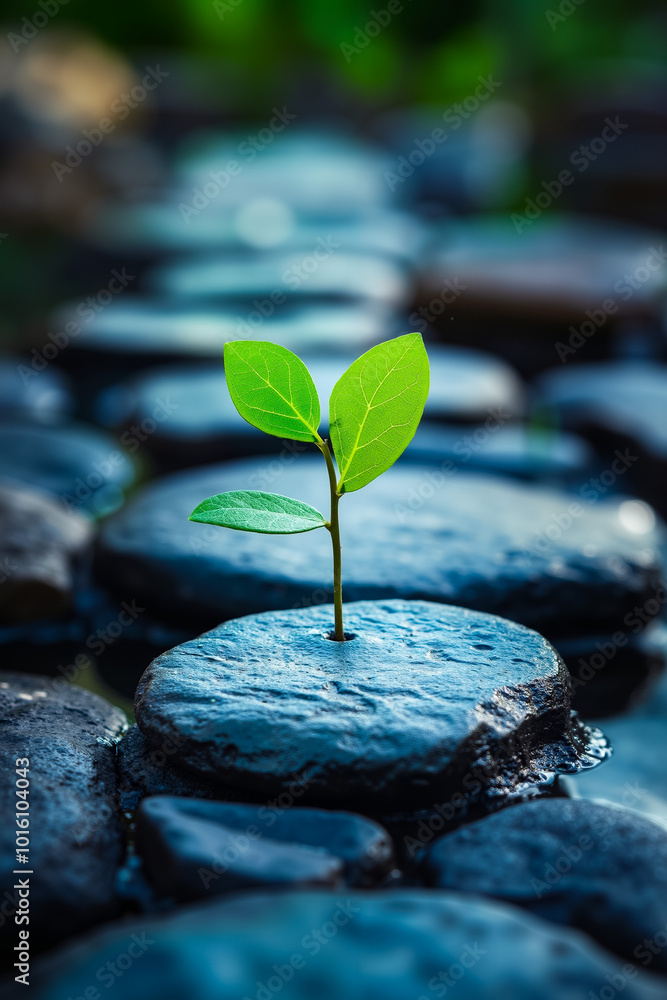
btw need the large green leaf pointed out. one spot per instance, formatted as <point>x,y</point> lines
<point>272,389</point>
<point>375,408</point>
<point>252,510</point>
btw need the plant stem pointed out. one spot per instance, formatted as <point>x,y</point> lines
<point>334,531</point>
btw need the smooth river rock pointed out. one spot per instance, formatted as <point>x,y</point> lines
<point>542,557</point>
<point>595,867</point>
<point>339,946</point>
<point>41,548</point>
<point>187,416</point>
<point>177,837</point>
<point>426,699</point>
<point>193,848</point>
<point>87,469</point>
<point>617,402</point>
<point>75,832</point>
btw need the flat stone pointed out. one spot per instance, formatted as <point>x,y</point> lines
<point>322,271</point>
<point>553,268</point>
<point>25,392</point>
<point>423,696</point>
<point>144,770</point>
<point>595,867</point>
<point>179,837</point>
<point>76,835</point>
<point>394,945</point>
<point>190,853</point>
<point>612,671</point>
<point>478,541</point>
<point>504,449</point>
<point>617,402</point>
<point>635,777</point>
<point>155,230</point>
<point>84,467</point>
<point>192,418</point>
<point>41,547</point>
<point>145,330</point>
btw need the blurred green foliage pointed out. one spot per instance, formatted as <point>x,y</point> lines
<point>428,51</point>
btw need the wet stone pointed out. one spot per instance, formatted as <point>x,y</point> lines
<point>86,469</point>
<point>25,392</point>
<point>144,769</point>
<point>254,944</point>
<point>507,450</point>
<point>506,548</point>
<point>635,776</point>
<point>322,272</point>
<point>128,335</point>
<point>150,232</point>
<point>177,837</point>
<point>617,403</point>
<point>419,704</point>
<point>188,855</point>
<point>76,836</point>
<point>595,867</point>
<point>193,848</point>
<point>41,548</point>
<point>189,418</point>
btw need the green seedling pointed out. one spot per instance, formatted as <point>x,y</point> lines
<point>374,411</point>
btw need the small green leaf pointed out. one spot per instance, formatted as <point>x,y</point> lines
<point>272,389</point>
<point>375,408</point>
<point>252,510</point>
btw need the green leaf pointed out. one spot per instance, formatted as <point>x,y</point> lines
<point>375,408</point>
<point>272,389</point>
<point>252,510</point>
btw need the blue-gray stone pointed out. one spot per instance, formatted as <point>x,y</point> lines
<point>157,230</point>
<point>595,867</point>
<point>42,546</point>
<point>185,414</point>
<point>191,854</point>
<point>339,946</point>
<point>506,449</point>
<point>145,770</point>
<point>635,777</point>
<point>193,847</point>
<point>84,467</point>
<point>510,549</point>
<point>30,393</point>
<point>321,272</point>
<point>423,701</point>
<point>76,840</point>
<point>617,402</point>
<point>141,330</point>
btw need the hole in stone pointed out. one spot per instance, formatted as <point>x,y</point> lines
<point>348,636</point>
<point>482,645</point>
